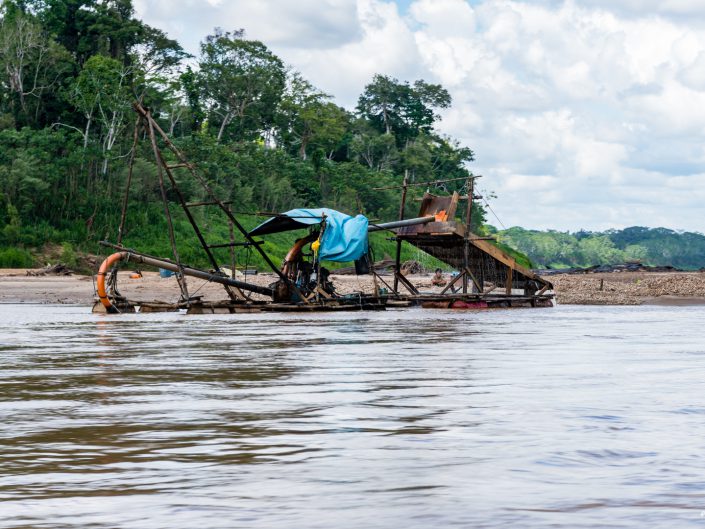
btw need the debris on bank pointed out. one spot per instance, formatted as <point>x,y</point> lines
<point>51,270</point>
<point>630,288</point>
<point>384,266</point>
<point>412,267</point>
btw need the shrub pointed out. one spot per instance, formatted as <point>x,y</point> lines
<point>15,258</point>
<point>68,255</point>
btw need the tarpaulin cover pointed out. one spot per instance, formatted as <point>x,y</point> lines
<point>344,239</point>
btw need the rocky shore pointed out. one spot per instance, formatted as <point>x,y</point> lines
<point>630,288</point>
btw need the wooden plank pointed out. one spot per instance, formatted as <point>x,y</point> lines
<point>404,281</point>
<point>508,284</point>
<point>472,276</point>
<point>453,282</point>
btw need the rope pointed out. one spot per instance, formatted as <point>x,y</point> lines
<point>495,215</point>
<point>248,253</point>
<point>205,282</point>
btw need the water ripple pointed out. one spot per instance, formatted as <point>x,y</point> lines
<point>571,417</point>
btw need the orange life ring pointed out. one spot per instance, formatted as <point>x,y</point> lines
<point>100,280</point>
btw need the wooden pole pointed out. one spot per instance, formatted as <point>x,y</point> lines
<point>232,249</point>
<point>466,242</point>
<point>180,277</point>
<point>402,206</point>
<point>153,125</point>
<point>125,200</point>
<point>112,278</point>
<point>510,280</point>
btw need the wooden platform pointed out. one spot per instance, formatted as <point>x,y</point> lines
<point>230,307</point>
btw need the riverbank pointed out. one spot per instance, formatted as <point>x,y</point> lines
<point>630,288</point>
<point>18,287</point>
<point>624,288</point>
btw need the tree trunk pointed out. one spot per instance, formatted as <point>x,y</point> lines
<point>302,149</point>
<point>225,122</point>
<point>85,134</point>
<point>386,120</point>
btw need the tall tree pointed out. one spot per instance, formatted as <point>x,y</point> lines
<point>378,151</point>
<point>33,65</point>
<point>242,82</point>
<point>90,27</point>
<point>100,92</point>
<point>400,108</point>
<point>308,119</point>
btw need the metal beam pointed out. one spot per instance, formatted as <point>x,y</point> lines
<point>189,271</point>
<point>400,223</point>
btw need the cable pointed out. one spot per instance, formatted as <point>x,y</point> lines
<point>495,215</point>
<point>248,253</point>
<point>202,285</point>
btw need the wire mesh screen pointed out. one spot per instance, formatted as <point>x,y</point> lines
<point>488,271</point>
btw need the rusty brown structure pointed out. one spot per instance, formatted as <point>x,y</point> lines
<point>487,276</point>
<point>240,293</point>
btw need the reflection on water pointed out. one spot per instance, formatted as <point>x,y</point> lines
<point>568,417</point>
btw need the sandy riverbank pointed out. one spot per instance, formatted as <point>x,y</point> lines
<point>17,287</point>
<point>624,288</point>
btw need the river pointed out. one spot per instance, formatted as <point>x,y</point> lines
<point>567,417</point>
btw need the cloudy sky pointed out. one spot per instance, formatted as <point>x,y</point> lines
<point>582,113</point>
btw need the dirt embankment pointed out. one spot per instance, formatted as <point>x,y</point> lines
<point>622,288</point>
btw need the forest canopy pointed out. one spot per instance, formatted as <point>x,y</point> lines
<point>649,246</point>
<point>265,137</point>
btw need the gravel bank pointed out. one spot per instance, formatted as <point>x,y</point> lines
<point>630,288</point>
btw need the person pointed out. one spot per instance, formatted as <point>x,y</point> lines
<point>438,280</point>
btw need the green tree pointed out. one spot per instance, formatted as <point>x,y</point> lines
<point>400,108</point>
<point>32,66</point>
<point>369,147</point>
<point>90,27</point>
<point>101,94</point>
<point>307,118</point>
<point>242,83</point>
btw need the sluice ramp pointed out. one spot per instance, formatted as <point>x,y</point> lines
<point>488,267</point>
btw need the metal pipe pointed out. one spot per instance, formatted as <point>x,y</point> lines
<point>149,260</point>
<point>401,223</point>
<point>201,274</point>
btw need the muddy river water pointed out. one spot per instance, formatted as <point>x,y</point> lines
<point>567,417</point>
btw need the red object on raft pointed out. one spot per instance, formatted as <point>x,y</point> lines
<point>460,304</point>
<point>457,304</point>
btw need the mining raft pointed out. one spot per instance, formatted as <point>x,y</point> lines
<point>484,277</point>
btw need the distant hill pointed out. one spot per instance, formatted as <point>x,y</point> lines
<point>651,246</point>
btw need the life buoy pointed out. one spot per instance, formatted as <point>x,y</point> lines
<point>100,280</point>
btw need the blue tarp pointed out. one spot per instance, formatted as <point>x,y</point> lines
<point>344,239</point>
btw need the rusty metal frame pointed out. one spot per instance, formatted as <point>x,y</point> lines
<point>155,133</point>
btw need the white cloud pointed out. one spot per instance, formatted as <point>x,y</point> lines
<point>386,45</point>
<point>582,113</point>
<point>693,75</point>
<point>444,18</point>
<point>280,23</point>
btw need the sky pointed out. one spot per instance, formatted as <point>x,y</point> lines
<point>583,114</point>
